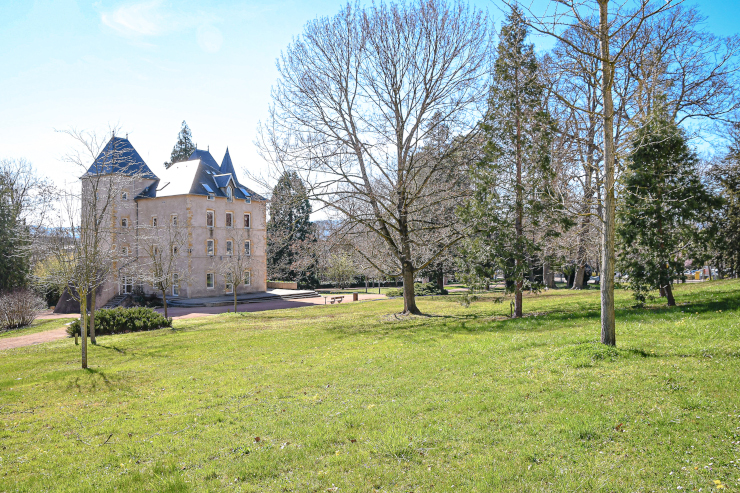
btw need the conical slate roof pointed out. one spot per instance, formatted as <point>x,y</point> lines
<point>227,166</point>
<point>119,157</point>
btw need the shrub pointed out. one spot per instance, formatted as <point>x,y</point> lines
<point>19,308</point>
<point>120,320</point>
<point>419,289</point>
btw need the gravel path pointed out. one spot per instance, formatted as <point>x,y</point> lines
<point>30,339</point>
<point>175,313</point>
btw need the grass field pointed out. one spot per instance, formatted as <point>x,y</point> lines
<point>37,326</point>
<point>355,398</point>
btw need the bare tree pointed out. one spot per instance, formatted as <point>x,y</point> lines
<point>235,264</point>
<point>359,97</point>
<point>82,244</point>
<point>26,204</point>
<point>161,257</point>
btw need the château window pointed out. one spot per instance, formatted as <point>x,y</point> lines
<point>124,251</point>
<point>175,285</point>
<point>210,278</point>
<point>209,219</point>
<point>174,251</point>
<point>247,220</point>
<point>124,223</point>
<point>210,250</point>
<point>154,221</point>
<point>124,196</point>
<point>229,284</point>
<point>247,278</point>
<point>229,194</point>
<point>229,219</point>
<point>247,248</point>
<point>229,247</point>
<point>174,220</point>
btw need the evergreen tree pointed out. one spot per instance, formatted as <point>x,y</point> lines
<point>14,252</point>
<point>290,233</point>
<point>183,148</point>
<point>511,210</point>
<point>726,242</point>
<point>665,211</point>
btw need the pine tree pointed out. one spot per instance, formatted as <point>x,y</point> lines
<point>183,148</point>
<point>290,233</point>
<point>511,207</point>
<point>665,211</point>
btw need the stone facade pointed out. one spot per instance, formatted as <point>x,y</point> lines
<point>219,217</point>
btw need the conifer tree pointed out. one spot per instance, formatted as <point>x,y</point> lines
<point>666,209</point>
<point>290,233</point>
<point>183,148</point>
<point>511,205</point>
<point>725,178</point>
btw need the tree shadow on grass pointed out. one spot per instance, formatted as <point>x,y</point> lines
<point>95,379</point>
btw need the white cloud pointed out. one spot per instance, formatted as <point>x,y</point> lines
<point>157,18</point>
<point>143,19</point>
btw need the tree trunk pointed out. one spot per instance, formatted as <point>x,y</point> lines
<point>83,328</point>
<point>92,317</point>
<point>669,295</point>
<point>441,278</point>
<point>233,286</point>
<point>579,275</point>
<point>409,299</point>
<point>608,316</point>
<point>164,302</point>
<point>546,274</point>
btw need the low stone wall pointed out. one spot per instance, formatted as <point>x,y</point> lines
<point>282,285</point>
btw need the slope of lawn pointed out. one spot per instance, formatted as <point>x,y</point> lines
<point>39,325</point>
<point>355,398</point>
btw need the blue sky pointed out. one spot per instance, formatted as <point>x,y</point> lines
<point>146,65</point>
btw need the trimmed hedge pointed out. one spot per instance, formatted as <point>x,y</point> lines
<point>120,320</point>
<point>419,290</point>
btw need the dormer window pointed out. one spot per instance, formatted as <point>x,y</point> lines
<point>229,194</point>
<point>124,196</point>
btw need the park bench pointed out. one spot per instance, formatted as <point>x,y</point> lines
<point>338,299</point>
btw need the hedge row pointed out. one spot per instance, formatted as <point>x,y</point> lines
<point>419,290</point>
<point>120,320</point>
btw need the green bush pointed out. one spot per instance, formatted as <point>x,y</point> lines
<point>120,320</point>
<point>419,289</point>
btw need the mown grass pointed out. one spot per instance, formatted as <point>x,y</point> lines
<point>39,325</point>
<point>357,398</point>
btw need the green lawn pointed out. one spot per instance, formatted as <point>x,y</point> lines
<point>38,326</point>
<point>353,397</point>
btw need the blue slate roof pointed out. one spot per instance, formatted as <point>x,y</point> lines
<point>206,157</point>
<point>223,180</point>
<point>119,156</point>
<point>227,166</point>
<point>197,173</point>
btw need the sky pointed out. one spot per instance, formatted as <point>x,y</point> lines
<point>145,66</point>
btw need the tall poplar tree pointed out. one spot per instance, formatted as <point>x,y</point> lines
<point>183,148</point>
<point>511,205</point>
<point>666,210</point>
